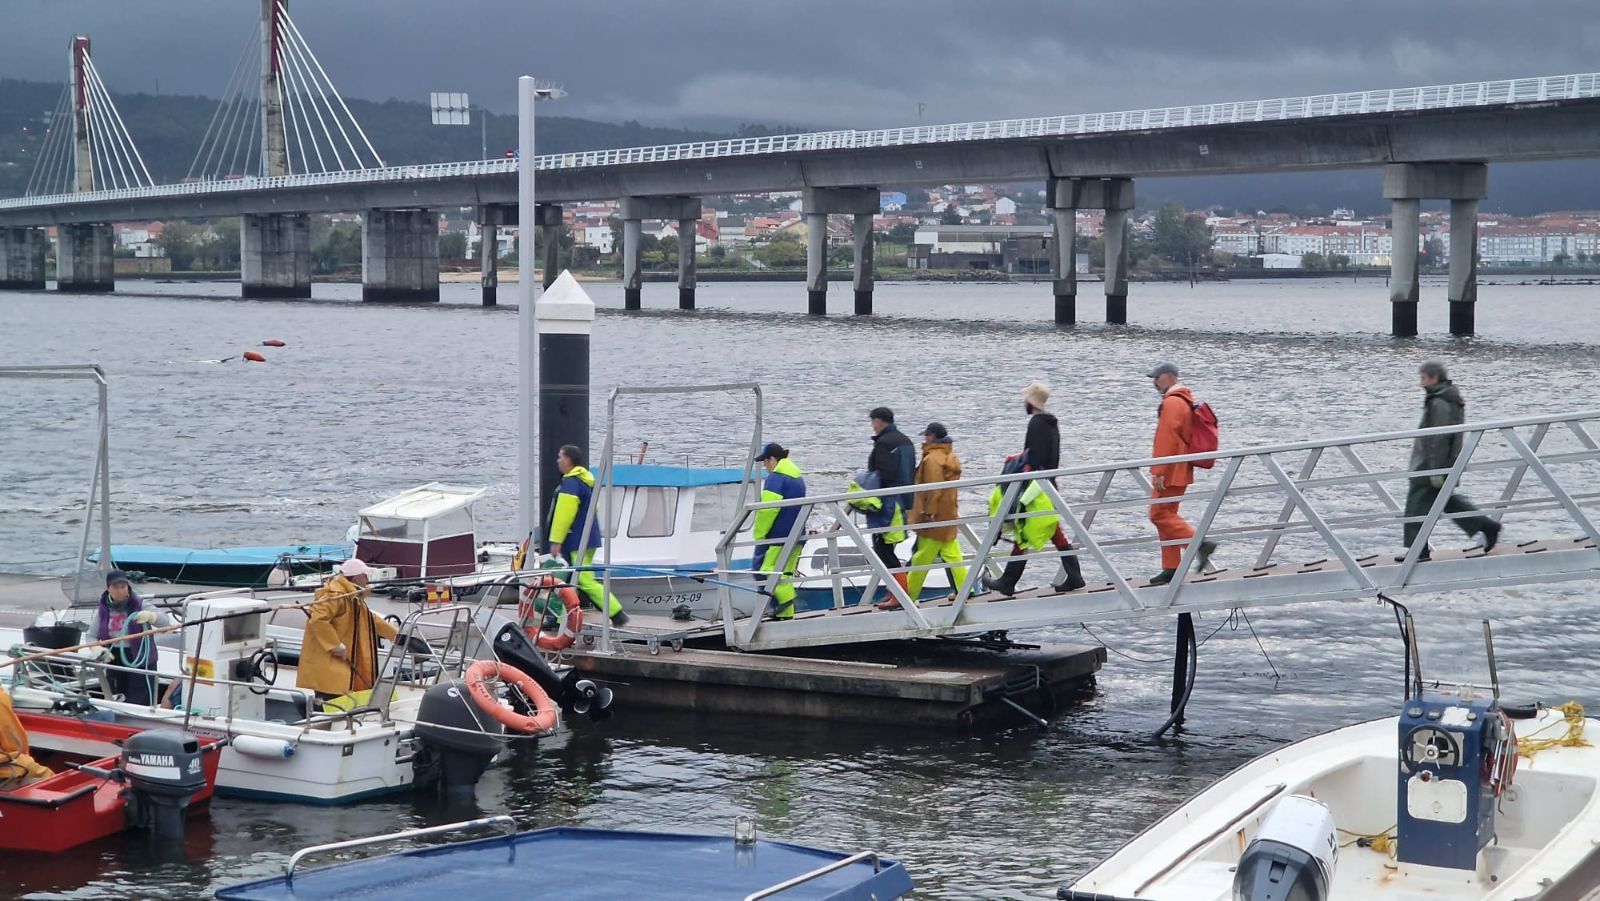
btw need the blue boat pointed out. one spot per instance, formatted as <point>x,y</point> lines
<point>244,567</point>
<point>571,862</point>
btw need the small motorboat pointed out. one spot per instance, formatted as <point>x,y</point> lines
<point>108,778</point>
<point>1432,803</point>
<point>594,864</point>
<point>244,567</point>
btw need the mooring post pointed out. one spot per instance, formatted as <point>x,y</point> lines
<point>564,320</point>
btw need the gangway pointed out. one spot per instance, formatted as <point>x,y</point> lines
<point>1296,523</point>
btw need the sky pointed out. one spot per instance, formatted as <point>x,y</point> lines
<point>826,63</point>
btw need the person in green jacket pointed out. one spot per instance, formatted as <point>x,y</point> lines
<point>1441,406</point>
<point>774,525</point>
<point>573,499</point>
<point>1030,528</point>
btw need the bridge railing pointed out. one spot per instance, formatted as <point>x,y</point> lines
<point>1337,507</point>
<point>1470,94</point>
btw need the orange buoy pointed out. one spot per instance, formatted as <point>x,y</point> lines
<point>477,678</point>
<point>254,357</point>
<point>570,627</point>
<point>273,342</point>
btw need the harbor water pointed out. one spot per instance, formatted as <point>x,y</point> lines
<point>364,401</point>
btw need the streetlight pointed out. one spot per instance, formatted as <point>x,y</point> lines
<point>529,90</point>
<point>450,108</point>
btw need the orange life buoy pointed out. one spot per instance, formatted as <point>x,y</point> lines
<point>570,626</point>
<point>254,357</point>
<point>477,678</point>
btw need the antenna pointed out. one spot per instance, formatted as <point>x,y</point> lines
<point>1411,648</point>
<point>1494,672</point>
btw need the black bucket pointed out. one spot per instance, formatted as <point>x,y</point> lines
<point>62,635</point>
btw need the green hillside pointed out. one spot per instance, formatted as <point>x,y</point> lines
<point>168,130</point>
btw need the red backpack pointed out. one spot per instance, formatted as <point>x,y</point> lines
<point>1203,434</point>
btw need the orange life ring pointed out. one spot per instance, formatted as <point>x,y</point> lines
<point>570,627</point>
<point>477,679</point>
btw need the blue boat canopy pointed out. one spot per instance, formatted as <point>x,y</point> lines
<point>569,862</point>
<point>650,475</point>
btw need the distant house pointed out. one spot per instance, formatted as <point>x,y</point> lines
<point>892,200</point>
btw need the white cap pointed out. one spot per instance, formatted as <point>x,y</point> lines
<point>355,567</point>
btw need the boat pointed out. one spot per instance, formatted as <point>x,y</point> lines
<point>595,864</point>
<point>108,778</point>
<point>281,746</point>
<point>1430,803</point>
<point>248,567</point>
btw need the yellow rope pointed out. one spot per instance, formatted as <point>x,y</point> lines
<point>1572,717</point>
<point>1381,842</point>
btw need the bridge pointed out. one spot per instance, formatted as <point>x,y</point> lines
<point>284,145</point>
<point>1295,523</point>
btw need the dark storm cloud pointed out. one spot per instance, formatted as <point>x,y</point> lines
<point>828,62</point>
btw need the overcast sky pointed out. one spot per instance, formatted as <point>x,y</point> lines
<point>827,62</point>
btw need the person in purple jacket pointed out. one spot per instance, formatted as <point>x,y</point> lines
<point>122,612</point>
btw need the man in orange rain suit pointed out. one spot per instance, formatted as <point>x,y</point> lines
<point>1174,421</point>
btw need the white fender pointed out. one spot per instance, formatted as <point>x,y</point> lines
<point>256,746</point>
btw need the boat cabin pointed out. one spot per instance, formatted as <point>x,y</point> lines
<point>426,531</point>
<point>669,516</point>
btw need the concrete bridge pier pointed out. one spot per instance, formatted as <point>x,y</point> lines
<point>22,259</point>
<point>633,211</point>
<point>490,218</point>
<point>548,216</point>
<point>1406,185</point>
<point>864,253</point>
<point>1064,264</point>
<point>85,258</point>
<point>818,204</point>
<point>687,233</point>
<point>275,255</point>
<point>1067,197</point>
<point>400,256</point>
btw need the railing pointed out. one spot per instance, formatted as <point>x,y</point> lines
<point>1455,96</point>
<point>1323,510</point>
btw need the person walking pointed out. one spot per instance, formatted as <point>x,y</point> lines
<point>774,525</point>
<point>1042,447</point>
<point>1169,481</point>
<point>940,505</point>
<point>568,513</point>
<point>894,462</point>
<point>1441,406</point>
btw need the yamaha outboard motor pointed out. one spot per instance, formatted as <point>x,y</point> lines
<point>1292,856</point>
<point>163,771</point>
<point>574,693</point>
<point>458,741</point>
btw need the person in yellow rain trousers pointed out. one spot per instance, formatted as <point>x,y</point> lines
<point>17,767</point>
<point>776,524</point>
<point>569,512</point>
<point>339,649</point>
<point>1031,525</point>
<point>934,543</point>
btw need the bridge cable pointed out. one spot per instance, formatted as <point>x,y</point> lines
<point>47,163</point>
<point>114,165</point>
<point>290,118</point>
<point>302,74</point>
<point>308,80</point>
<point>245,132</point>
<point>295,102</point>
<point>101,148</point>
<point>129,145</point>
<point>229,96</point>
<point>295,31</point>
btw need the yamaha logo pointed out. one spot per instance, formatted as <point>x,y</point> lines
<point>155,760</point>
<point>452,692</point>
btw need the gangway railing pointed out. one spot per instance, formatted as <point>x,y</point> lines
<point>1306,521</point>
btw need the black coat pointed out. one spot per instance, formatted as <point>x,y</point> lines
<point>1043,442</point>
<point>892,458</point>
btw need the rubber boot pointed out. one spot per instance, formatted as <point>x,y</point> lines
<point>892,602</point>
<point>1070,576</point>
<point>1007,583</point>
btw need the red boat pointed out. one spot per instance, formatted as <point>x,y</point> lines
<point>108,778</point>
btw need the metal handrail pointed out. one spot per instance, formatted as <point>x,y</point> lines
<point>1582,86</point>
<point>819,872</point>
<point>502,821</point>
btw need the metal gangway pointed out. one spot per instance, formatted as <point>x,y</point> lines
<point>1295,523</point>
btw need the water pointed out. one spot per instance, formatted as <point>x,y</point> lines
<point>365,401</point>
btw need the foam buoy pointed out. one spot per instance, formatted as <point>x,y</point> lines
<point>253,357</point>
<point>273,342</point>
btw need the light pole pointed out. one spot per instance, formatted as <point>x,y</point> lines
<point>529,91</point>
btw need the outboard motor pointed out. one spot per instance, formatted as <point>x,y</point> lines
<point>163,771</point>
<point>1292,856</point>
<point>458,742</point>
<point>574,693</point>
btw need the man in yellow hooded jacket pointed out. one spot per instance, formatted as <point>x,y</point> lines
<point>339,648</point>
<point>569,513</point>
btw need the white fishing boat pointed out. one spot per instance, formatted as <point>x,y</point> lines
<point>415,725</point>
<point>1457,797</point>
